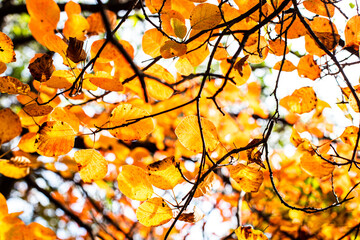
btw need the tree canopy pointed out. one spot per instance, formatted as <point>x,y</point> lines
<point>179,119</point>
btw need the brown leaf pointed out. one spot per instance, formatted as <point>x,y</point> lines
<point>75,51</point>
<point>192,217</point>
<point>42,68</point>
<point>254,156</point>
<point>240,64</point>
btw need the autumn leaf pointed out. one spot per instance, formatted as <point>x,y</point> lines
<point>308,68</point>
<point>245,233</point>
<point>36,110</point>
<point>134,183</point>
<point>315,165</point>
<point>192,217</point>
<point>96,24</point>
<point>7,53</point>
<point>152,41</point>
<point>54,138</point>
<point>350,135</point>
<point>249,177</point>
<point>205,16</point>
<point>124,114</point>
<point>287,66</point>
<point>13,85</point>
<point>302,100</point>
<point>10,126</point>
<point>164,174</point>
<point>10,169</point>
<point>205,186</point>
<point>319,7</point>
<point>352,32</point>
<point>172,49</point>
<point>154,212</point>
<point>42,68</point>
<point>75,50</point>
<point>188,133</point>
<point>92,165</point>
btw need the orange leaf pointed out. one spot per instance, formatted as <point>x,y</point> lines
<point>152,41</point>
<point>315,165</point>
<point>172,49</point>
<point>287,66</point>
<point>205,186</point>
<point>96,24</point>
<point>10,126</point>
<point>2,67</point>
<point>154,212</point>
<point>72,8</point>
<point>27,142</point>
<point>134,183</point>
<point>277,47</point>
<point>37,231</point>
<point>11,85</point>
<point>62,114</point>
<point>205,16</point>
<point>308,68</point>
<point>349,135</point>
<point>249,177</point>
<point>105,81</point>
<point>173,16</point>
<point>248,233</point>
<point>164,174</point>
<point>125,113</point>
<point>319,7</point>
<point>352,32</point>
<point>46,11</point>
<point>302,100</point>
<point>55,139</point>
<point>36,110</point>
<point>197,52</point>
<point>7,53</point>
<point>188,133</point>
<point>239,79</point>
<point>92,165</point>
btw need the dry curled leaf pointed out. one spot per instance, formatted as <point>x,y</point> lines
<point>192,217</point>
<point>75,50</point>
<point>205,186</point>
<point>42,68</point>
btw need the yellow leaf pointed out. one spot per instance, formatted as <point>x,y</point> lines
<point>248,233</point>
<point>92,165</point>
<point>154,212</point>
<point>37,231</point>
<point>249,177</point>
<point>125,113</point>
<point>12,85</point>
<point>156,89</point>
<point>188,133</point>
<point>76,26</point>
<point>36,110</point>
<point>55,138</point>
<point>315,165</point>
<point>205,16</point>
<point>7,53</point>
<point>8,169</point>
<point>164,174</point>
<point>192,217</point>
<point>134,183</point>
<point>27,142</point>
<point>10,126</point>
<point>349,135</point>
<point>205,186</point>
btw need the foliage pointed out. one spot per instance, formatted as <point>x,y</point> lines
<point>216,117</point>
